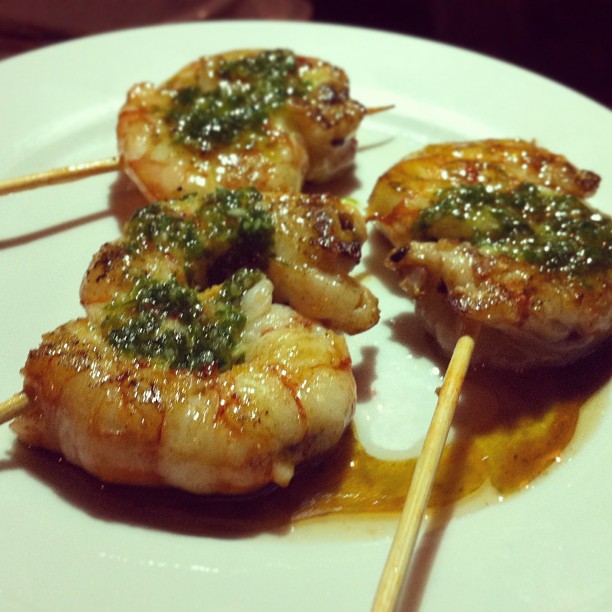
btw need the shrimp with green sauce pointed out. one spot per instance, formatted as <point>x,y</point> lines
<point>215,392</point>
<point>269,119</point>
<point>497,234</point>
<point>187,371</point>
<point>306,244</point>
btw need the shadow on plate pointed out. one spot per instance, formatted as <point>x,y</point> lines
<point>272,510</point>
<point>374,264</point>
<point>123,200</point>
<point>342,186</point>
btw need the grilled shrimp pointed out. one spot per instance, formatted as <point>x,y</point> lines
<point>306,244</point>
<point>496,234</point>
<point>268,119</point>
<point>284,396</point>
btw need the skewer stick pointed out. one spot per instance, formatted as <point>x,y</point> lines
<point>11,407</point>
<point>58,175</point>
<point>85,169</point>
<point>374,110</point>
<point>425,469</point>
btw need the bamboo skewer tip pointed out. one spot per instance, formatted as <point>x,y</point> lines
<point>12,407</point>
<point>415,505</point>
<point>73,172</point>
<point>374,110</point>
<point>59,175</point>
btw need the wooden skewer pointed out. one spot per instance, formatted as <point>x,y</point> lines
<point>419,492</point>
<point>403,545</point>
<point>58,175</point>
<point>11,407</point>
<point>85,169</point>
<point>379,109</point>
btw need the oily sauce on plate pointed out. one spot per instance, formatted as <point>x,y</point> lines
<point>508,429</point>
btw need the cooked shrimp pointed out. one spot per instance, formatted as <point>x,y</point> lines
<point>285,397</point>
<point>496,233</point>
<point>268,119</point>
<point>307,245</point>
<point>413,183</point>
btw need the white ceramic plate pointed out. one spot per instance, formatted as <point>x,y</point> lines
<point>65,545</point>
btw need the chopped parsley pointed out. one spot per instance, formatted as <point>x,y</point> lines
<point>224,231</point>
<point>239,231</point>
<point>156,224</point>
<point>172,325</point>
<point>556,232</point>
<point>249,90</point>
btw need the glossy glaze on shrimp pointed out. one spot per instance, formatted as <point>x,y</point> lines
<point>496,234</point>
<point>185,372</point>
<point>267,119</point>
<point>206,429</point>
<point>306,244</point>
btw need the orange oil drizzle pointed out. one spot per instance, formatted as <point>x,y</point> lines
<point>508,430</point>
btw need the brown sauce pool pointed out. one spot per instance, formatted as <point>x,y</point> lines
<point>508,430</point>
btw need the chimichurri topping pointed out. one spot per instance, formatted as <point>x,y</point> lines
<point>168,231</point>
<point>227,229</point>
<point>172,325</point>
<point>249,90</point>
<point>239,231</point>
<point>557,232</point>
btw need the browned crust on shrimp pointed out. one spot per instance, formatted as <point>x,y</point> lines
<point>527,316</point>
<point>310,138</point>
<point>128,421</point>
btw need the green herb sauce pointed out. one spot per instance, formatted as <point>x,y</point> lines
<point>226,230</point>
<point>249,90</point>
<point>239,232</point>
<point>557,232</point>
<point>171,325</point>
<point>158,225</point>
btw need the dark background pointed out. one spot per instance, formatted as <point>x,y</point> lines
<point>567,40</point>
